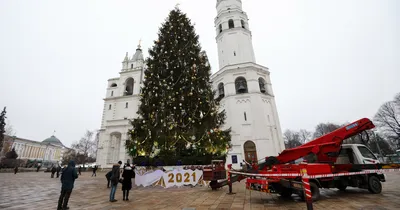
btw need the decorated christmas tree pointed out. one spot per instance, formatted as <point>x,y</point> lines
<point>178,114</point>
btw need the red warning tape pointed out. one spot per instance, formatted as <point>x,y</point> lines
<point>317,176</point>
<point>354,173</point>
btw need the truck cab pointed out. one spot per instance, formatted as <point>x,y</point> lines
<point>356,154</point>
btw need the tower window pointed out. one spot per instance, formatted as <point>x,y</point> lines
<point>245,116</point>
<point>113,85</point>
<point>242,21</point>
<point>231,24</point>
<point>112,93</point>
<point>109,107</point>
<point>234,53</point>
<point>241,85</point>
<point>126,105</point>
<point>261,83</point>
<point>128,87</point>
<point>220,28</point>
<point>131,66</point>
<point>221,92</point>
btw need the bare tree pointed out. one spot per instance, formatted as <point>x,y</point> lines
<point>388,120</point>
<point>85,146</point>
<point>9,129</point>
<point>292,139</point>
<point>304,135</point>
<point>324,128</point>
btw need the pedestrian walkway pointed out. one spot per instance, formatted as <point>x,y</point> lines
<point>33,190</point>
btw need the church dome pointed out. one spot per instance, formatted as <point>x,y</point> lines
<point>53,140</point>
<point>138,55</point>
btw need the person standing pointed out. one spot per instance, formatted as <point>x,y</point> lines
<point>79,170</point>
<point>127,176</point>
<point>94,168</point>
<point>53,171</point>
<point>38,167</point>
<point>68,176</point>
<point>16,169</point>
<point>114,180</point>
<point>58,170</point>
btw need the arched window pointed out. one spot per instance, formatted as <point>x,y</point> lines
<point>113,85</point>
<point>109,107</point>
<point>241,85</point>
<point>221,92</point>
<point>129,87</point>
<point>231,24</point>
<point>131,66</point>
<point>220,28</point>
<point>261,83</point>
<point>112,93</point>
<point>126,105</point>
<point>242,21</point>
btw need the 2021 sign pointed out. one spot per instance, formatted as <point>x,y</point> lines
<point>182,177</point>
<point>172,178</point>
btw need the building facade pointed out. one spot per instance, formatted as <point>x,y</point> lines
<point>49,151</point>
<point>244,87</point>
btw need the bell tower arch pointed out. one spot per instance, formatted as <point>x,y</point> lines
<point>233,38</point>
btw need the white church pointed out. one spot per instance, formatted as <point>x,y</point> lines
<point>244,85</point>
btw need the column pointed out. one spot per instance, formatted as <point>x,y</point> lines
<point>29,152</point>
<point>35,152</point>
<point>122,149</point>
<point>41,153</point>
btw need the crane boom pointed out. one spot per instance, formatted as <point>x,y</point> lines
<point>326,148</point>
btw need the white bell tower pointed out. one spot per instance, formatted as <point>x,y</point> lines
<point>244,89</point>
<point>233,34</point>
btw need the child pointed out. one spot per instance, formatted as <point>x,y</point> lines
<point>108,176</point>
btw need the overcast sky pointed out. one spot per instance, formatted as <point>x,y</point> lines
<point>330,61</point>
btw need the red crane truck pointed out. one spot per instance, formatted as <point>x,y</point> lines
<point>325,157</point>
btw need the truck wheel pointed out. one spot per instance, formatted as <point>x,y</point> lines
<point>374,185</point>
<point>286,192</point>
<point>213,184</point>
<point>315,193</point>
<point>342,187</point>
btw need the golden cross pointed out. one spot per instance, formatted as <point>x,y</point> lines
<point>140,41</point>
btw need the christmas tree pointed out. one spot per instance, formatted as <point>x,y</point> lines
<point>178,114</point>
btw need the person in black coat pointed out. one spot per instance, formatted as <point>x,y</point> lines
<point>127,176</point>
<point>94,169</point>
<point>16,169</point>
<point>53,171</point>
<point>58,170</point>
<point>108,176</point>
<point>68,176</point>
